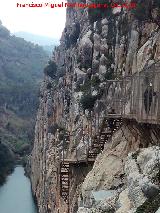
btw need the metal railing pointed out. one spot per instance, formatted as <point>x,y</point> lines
<point>135,97</point>
<point>132,97</point>
<point>143,98</point>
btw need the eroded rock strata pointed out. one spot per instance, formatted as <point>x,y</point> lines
<point>105,65</point>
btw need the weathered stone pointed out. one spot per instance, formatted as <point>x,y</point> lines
<point>116,45</point>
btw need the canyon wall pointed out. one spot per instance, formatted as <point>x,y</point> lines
<point>105,64</point>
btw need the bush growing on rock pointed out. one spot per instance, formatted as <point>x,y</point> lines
<point>53,128</point>
<point>87,101</point>
<point>49,86</point>
<point>109,75</point>
<point>95,14</point>
<point>150,205</point>
<point>51,69</point>
<point>144,10</point>
<point>95,81</point>
<point>86,86</point>
<point>75,33</point>
<point>141,12</point>
<point>71,37</point>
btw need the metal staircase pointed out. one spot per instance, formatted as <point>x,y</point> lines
<point>64,181</point>
<point>108,127</point>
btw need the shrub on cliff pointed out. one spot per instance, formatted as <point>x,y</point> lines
<point>51,69</point>
<point>95,14</point>
<point>144,9</point>
<point>141,12</point>
<point>150,205</point>
<point>95,81</point>
<point>71,37</point>
<point>49,86</point>
<point>86,86</point>
<point>87,101</point>
<point>109,75</point>
<point>75,33</point>
<point>53,128</point>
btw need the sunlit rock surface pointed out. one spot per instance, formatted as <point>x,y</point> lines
<point>106,47</point>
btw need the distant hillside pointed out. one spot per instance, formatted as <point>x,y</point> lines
<point>7,159</point>
<point>47,42</point>
<point>21,70</point>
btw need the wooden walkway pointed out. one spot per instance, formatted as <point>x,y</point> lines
<point>108,127</point>
<point>128,105</point>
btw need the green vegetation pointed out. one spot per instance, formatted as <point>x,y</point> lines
<point>149,206</point>
<point>51,69</point>
<point>53,128</point>
<point>87,101</point>
<point>16,131</point>
<point>95,81</point>
<point>109,75</point>
<point>21,71</point>
<point>71,37</point>
<point>6,162</point>
<point>86,87</point>
<point>99,12</point>
<point>54,72</point>
<point>142,12</point>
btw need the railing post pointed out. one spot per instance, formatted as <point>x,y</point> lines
<point>91,122</point>
<point>95,123</point>
<point>63,149</point>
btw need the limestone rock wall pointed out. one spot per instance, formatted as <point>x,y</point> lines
<point>124,175</point>
<point>94,49</point>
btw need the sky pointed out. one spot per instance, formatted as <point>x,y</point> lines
<point>45,21</point>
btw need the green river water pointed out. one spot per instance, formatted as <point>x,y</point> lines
<point>15,194</point>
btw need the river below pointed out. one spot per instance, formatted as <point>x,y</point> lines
<point>16,195</point>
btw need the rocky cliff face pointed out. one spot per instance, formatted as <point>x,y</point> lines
<point>124,178</point>
<point>81,86</point>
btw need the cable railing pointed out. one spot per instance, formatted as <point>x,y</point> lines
<point>143,98</point>
<point>132,97</point>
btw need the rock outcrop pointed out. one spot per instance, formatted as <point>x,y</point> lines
<point>129,172</point>
<point>83,84</point>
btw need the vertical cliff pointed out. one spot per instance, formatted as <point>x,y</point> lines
<point>107,61</point>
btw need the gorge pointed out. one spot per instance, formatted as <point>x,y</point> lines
<point>21,71</point>
<point>97,132</point>
<point>96,145</point>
